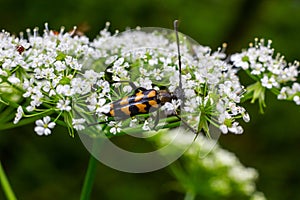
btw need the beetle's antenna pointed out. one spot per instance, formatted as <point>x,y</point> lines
<point>180,80</point>
<point>178,51</point>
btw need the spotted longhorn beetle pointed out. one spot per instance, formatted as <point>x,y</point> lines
<point>144,101</point>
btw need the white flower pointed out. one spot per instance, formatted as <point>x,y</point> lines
<point>127,88</point>
<point>59,66</point>
<point>241,174</point>
<point>43,126</point>
<point>104,109</point>
<point>48,73</point>
<point>257,69</point>
<point>115,127</point>
<point>296,99</point>
<point>133,122</point>
<point>146,83</point>
<point>64,105</point>
<point>146,126</point>
<point>153,61</point>
<point>99,106</point>
<point>158,74</point>
<point>104,85</point>
<point>282,94</point>
<point>73,63</point>
<point>3,73</point>
<point>119,62</point>
<point>91,76</point>
<point>65,90</point>
<point>269,82</point>
<point>78,124</point>
<point>172,107</point>
<point>235,128</point>
<point>55,63</point>
<point>296,87</point>
<point>13,79</point>
<point>246,117</point>
<point>240,60</point>
<point>19,114</point>
<point>224,128</point>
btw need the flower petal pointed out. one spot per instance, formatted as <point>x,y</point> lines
<point>51,124</point>
<point>39,130</point>
<point>39,122</point>
<point>47,131</point>
<point>46,119</point>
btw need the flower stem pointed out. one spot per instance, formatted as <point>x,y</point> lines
<point>89,179</point>
<point>5,185</point>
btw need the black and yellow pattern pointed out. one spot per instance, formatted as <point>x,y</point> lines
<point>141,102</point>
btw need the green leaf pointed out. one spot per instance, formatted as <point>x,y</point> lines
<point>60,56</point>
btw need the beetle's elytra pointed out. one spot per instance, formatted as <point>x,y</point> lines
<point>140,102</point>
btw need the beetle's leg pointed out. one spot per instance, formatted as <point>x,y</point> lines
<point>96,123</point>
<point>186,124</point>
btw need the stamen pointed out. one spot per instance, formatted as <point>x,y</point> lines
<point>21,35</point>
<point>269,44</point>
<point>62,29</point>
<point>262,42</point>
<point>107,25</point>
<point>223,48</point>
<point>73,31</point>
<point>256,42</point>
<point>28,31</point>
<point>46,28</point>
<point>35,32</point>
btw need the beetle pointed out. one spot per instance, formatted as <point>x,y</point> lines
<point>20,49</point>
<point>144,101</point>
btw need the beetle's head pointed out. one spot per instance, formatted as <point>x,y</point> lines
<point>165,96</point>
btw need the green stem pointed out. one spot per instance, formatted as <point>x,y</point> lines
<point>89,179</point>
<point>23,122</point>
<point>5,185</point>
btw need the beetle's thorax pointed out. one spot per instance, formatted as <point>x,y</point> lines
<point>164,96</point>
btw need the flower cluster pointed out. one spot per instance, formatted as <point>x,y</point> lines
<point>209,167</point>
<point>73,80</point>
<point>211,90</point>
<point>290,93</point>
<point>269,70</point>
<point>42,70</point>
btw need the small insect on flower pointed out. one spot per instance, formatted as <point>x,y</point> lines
<point>144,101</point>
<point>20,49</point>
<point>141,102</point>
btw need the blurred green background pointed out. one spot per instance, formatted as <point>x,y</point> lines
<point>44,167</point>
